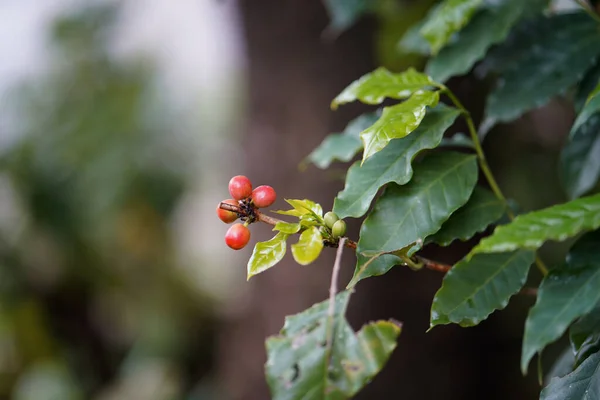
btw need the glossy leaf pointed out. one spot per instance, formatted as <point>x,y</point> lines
<point>531,230</point>
<point>488,27</point>
<point>586,87</point>
<point>266,254</point>
<point>580,158</point>
<point>585,335</point>
<point>300,367</point>
<point>482,209</point>
<point>475,288</point>
<point>287,227</point>
<point>392,164</point>
<point>342,146</point>
<point>442,182</point>
<point>396,122</point>
<point>559,50</point>
<point>565,294</point>
<point>309,246</point>
<point>447,19</point>
<point>583,383</point>
<point>368,266</point>
<point>304,207</point>
<point>375,86</point>
<point>344,13</point>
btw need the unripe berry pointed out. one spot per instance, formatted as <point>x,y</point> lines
<point>240,187</point>
<point>225,215</point>
<point>263,196</point>
<point>330,218</point>
<point>237,237</point>
<point>338,229</point>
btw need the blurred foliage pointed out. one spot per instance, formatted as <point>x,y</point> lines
<point>92,304</point>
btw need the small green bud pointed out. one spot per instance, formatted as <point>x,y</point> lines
<point>339,228</point>
<point>330,218</point>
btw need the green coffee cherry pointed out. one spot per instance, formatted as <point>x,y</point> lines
<point>330,218</point>
<point>338,229</point>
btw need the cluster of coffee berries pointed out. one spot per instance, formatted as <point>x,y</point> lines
<point>247,201</point>
<point>337,225</point>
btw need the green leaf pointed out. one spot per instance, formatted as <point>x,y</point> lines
<point>375,86</point>
<point>450,17</point>
<point>373,265</point>
<point>392,164</point>
<point>300,367</point>
<point>458,140</point>
<point>586,87</point>
<point>579,161</point>
<point>583,383</point>
<point>344,13</point>
<point>585,335</point>
<point>442,182</point>
<point>287,227</point>
<point>565,294</point>
<point>474,288</point>
<point>342,146</point>
<point>304,207</point>
<point>562,366</point>
<point>487,28</point>
<point>309,246</point>
<point>266,254</point>
<point>531,230</point>
<point>482,209</point>
<point>413,42</point>
<point>397,122</point>
<point>559,50</point>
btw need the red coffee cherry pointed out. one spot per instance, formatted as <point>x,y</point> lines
<point>237,237</point>
<point>240,187</point>
<point>263,196</point>
<point>227,216</point>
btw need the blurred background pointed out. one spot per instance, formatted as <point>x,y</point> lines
<point>121,123</point>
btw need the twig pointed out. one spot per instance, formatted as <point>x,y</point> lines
<point>269,220</point>
<point>333,288</point>
<point>485,166</point>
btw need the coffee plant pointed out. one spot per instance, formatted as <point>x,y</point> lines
<point>412,190</point>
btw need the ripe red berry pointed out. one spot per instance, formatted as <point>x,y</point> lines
<point>227,216</point>
<point>263,196</point>
<point>240,187</point>
<point>237,237</point>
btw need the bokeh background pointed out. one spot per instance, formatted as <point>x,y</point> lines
<point>121,123</point>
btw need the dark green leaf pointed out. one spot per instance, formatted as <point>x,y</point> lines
<point>531,230</point>
<point>375,86</point>
<point>585,335</point>
<point>342,146</point>
<point>396,122</point>
<point>301,367</point>
<point>586,86</point>
<point>458,140</point>
<point>482,209</point>
<point>368,266</point>
<point>583,383</point>
<point>344,13</point>
<point>488,27</point>
<point>580,158</point>
<point>267,254</point>
<point>556,52</point>
<point>403,215</point>
<point>447,19</point>
<point>392,164</point>
<point>474,288</point>
<point>565,294</point>
<point>413,42</point>
<point>562,366</point>
<point>309,246</point>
